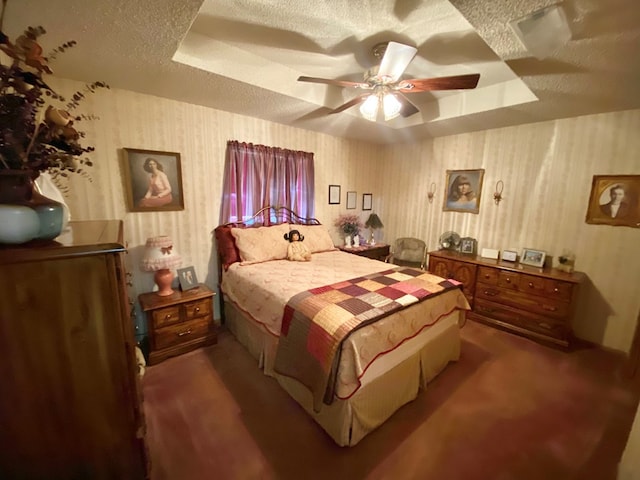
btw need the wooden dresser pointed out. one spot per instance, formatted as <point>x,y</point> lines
<point>70,402</point>
<point>179,322</point>
<point>538,303</point>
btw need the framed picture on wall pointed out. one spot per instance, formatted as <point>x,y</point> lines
<point>463,190</point>
<point>367,201</point>
<point>615,200</point>
<point>153,180</point>
<point>334,194</point>
<point>351,200</point>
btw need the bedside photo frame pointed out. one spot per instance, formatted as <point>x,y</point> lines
<point>187,278</point>
<point>532,257</point>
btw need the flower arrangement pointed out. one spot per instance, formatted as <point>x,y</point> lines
<point>349,224</point>
<point>35,134</point>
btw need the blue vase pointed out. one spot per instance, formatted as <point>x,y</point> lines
<point>17,189</point>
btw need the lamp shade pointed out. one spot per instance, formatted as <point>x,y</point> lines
<point>373,222</point>
<point>161,257</point>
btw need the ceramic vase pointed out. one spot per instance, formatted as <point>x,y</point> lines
<point>22,203</point>
<point>356,240</point>
<point>347,241</point>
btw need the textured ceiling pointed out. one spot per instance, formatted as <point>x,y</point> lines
<point>244,56</point>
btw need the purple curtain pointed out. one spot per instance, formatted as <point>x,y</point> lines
<point>256,176</point>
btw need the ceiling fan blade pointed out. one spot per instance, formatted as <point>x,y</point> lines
<point>408,108</point>
<point>456,82</point>
<point>339,83</point>
<point>351,103</point>
<point>395,60</point>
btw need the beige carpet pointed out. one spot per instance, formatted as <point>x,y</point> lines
<point>509,409</point>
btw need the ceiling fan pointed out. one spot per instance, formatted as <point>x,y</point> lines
<point>385,87</point>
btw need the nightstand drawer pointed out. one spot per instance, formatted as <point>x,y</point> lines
<point>198,308</point>
<point>183,332</point>
<point>166,316</point>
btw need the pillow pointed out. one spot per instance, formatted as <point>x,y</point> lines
<point>261,244</point>
<point>316,237</point>
<point>226,246</point>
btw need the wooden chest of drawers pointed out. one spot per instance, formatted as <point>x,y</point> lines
<point>535,302</point>
<point>178,322</point>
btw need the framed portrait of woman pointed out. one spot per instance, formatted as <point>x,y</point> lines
<point>153,180</point>
<point>463,191</point>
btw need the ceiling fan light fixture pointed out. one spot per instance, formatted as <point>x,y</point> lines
<point>391,106</point>
<point>369,108</point>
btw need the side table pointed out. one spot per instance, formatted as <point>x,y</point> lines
<point>379,251</point>
<point>178,323</point>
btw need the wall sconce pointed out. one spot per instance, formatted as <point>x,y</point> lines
<point>431,192</point>
<point>497,196</point>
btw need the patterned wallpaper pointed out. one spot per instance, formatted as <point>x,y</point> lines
<point>546,169</point>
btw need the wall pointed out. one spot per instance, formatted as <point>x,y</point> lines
<point>547,170</point>
<point>199,134</point>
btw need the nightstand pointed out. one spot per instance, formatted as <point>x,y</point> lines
<point>379,251</point>
<point>178,323</point>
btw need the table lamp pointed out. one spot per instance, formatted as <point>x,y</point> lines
<point>373,223</point>
<point>160,257</point>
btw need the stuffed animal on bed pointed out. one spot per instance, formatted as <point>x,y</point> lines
<point>297,251</point>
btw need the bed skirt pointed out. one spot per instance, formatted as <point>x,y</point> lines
<point>391,381</point>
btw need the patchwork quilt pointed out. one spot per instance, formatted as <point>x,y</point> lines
<point>315,322</point>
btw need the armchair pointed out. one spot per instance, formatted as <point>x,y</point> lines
<point>409,252</point>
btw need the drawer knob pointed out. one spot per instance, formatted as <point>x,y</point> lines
<point>556,290</point>
<point>182,334</point>
<point>486,275</point>
<point>530,284</point>
<point>167,316</point>
<point>197,309</point>
<point>508,280</point>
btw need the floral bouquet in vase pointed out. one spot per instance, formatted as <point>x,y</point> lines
<point>349,225</point>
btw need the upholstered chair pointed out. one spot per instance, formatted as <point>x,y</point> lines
<point>409,252</point>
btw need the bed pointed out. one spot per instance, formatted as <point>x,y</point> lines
<point>349,380</point>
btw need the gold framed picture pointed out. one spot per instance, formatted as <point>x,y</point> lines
<point>153,180</point>
<point>464,188</point>
<point>614,200</point>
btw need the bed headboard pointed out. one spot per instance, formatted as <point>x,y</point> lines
<point>265,217</point>
<point>272,215</point>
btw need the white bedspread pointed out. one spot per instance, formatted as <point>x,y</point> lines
<point>255,289</point>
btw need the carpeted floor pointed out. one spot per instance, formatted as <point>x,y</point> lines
<point>508,409</point>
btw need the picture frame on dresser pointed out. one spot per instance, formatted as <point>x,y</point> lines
<point>187,278</point>
<point>534,258</point>
<point>614,200</point>
<point>468,245</point>
<point>146,184</point>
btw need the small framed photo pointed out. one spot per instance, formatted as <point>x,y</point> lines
<point>351,200</point>
<point>187,278</point>
<point>535,258</point>
<point>153,180</point>
<point>615,200</point>
<point>509,255</point>
<point>463,191</point>
<point>468,245</point>
<point>334,194</point>
<point>367,201</point>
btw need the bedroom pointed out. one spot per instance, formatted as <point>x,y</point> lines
<point>546,165</point>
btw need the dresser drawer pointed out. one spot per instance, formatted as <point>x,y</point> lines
<point>488,276</point>
<point>509,280</point>
<point>183,332</point>
<point>541,304</point>
<point>562,290</point>
<point>166,316</point>
<point>197,308</point>
<point>531,284</point>
<point>529,321</point>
